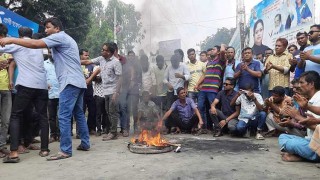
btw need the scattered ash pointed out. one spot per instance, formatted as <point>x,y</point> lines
<point>221,146</point>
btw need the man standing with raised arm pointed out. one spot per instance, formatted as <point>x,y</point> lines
<point>66,58</point>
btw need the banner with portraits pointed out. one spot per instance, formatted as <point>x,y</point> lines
<point>272,19</point>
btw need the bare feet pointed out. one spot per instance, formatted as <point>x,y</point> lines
<point>290,157</point>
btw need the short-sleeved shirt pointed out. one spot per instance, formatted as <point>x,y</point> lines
<point>229,72</point>
<point>196,71</point>
<point>170,77</point>
<point>315,51</point>
<point>213,76</point>
<point>65,54</point>
<point>148,79</point>
<point>98,89</point>
<point>51,79</point>
<point>246,77</point>
<point>225,100</point>
<point>31,68</point>
<point>87,71</point>
<point>148,110</point>
<point>249,110</point>
<point>277,78</point>
<point>161,87</point>
<point>4,76</point>
<point>185,111</point>
<point>314,101</point>
<point>111,71</point>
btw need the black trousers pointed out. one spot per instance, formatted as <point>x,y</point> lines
<point>88,102</point>
<point>170,99</point>
<point>175,121</point>
<point>24,98</point>
<point>54,123</point>
<point>101,115</point>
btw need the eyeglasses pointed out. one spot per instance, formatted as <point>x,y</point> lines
<point>311,32</point>
<point>226,84</point>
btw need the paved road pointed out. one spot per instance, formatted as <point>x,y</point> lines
<point>201,157</point>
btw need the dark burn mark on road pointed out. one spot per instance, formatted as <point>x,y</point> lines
<point>221,146</point>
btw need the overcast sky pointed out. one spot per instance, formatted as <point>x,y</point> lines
<point>189,20</point>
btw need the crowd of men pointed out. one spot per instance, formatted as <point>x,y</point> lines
<point>272,93</point>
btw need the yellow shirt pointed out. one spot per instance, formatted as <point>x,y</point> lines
<point>196,71</point>
<point>278,78</point>
<point>4,76</point>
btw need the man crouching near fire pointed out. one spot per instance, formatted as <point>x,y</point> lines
<point>183,114</point>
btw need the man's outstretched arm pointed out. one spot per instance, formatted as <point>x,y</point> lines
<point>29,43</point>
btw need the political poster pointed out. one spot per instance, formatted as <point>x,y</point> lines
<point>14,21</point>
<point>272,19</point>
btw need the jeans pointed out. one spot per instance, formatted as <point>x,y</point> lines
<point>71,103</point>
<point>202,97</point>
<point>128,104</point>
<point>25,97</point>
<point>52,110</point>
<point>298,146</point>
<point>88,102</point>
<point>101,115</point>
<point>194,96</point>
<point>239,127</point>
<point>112,110</point>
<point>5,110</point>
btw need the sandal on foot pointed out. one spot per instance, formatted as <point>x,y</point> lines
<point>58,156</point>
<point>23,150</point>
<point>9,159</point>
<point>33,147</point>
<point>44,153</point>
<point>81,148</point>
<point>2,155</point>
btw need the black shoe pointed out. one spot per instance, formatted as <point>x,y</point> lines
<point>217,133</point>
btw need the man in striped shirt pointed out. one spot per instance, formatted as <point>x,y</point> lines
<point>210,82</point>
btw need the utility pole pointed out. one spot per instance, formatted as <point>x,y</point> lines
<point>115,25</point>
<point>241,19</point>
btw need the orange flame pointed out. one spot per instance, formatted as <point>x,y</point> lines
<point>146,137</point>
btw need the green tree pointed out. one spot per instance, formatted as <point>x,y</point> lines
<point>99,31</point>
<point>223,36</point>
<point>74,14</point>
<point>130,22</point>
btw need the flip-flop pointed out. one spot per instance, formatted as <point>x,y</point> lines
<point>9,159</point>
<point>44,153</point>
<point>33,147</point>
<point>24,151</point>
<point>2,155</point>
<point>58,156</point>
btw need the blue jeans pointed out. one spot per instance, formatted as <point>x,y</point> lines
<point>240,127</point>
<point>71,103</point>
<point>298,146</point>
<point>202,97</point>
<point>193,96</point>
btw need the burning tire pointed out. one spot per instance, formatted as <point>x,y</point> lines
<point>144,149</point>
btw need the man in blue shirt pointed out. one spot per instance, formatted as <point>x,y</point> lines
<point>183,114</point>
<point>53,101</point>
<point>66,58</point>
<point>248,71</point>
